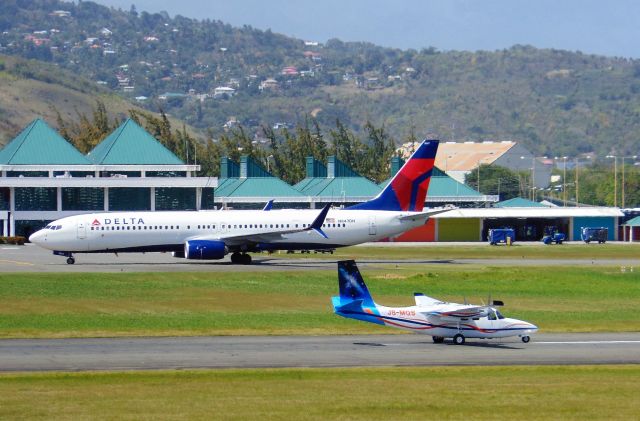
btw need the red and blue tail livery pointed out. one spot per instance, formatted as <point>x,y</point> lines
<point>408,188</point>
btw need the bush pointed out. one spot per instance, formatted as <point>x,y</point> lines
<point>18,240</point>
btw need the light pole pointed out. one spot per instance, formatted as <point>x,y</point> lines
<point>479,162</point>
<point>632,157</point>
<point>533,175</point>
<point>615,179</point>
<point>268,160</point>
<point>564,180</point>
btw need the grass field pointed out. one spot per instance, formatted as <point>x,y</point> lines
<point>443,251</point>
<point>564,393</point>
<point>584,299</point>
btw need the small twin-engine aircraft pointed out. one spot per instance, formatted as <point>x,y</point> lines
<point>429,316</point>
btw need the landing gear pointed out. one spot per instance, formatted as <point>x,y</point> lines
<point>70,260</point>
<point>458,339</point>
<point>241,258</point>
<point>525,339</point>
<point>438,339</point>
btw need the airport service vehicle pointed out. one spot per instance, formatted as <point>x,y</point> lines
<point>211,235</point>
<point>429,316</point>
<point>556,237</point>
<point>501,235</point>
<point>598,234</point>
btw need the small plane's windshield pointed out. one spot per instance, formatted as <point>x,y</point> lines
<point>492,315</point>
<point>500,316</point>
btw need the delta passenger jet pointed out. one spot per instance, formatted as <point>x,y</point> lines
<point>211,235</point>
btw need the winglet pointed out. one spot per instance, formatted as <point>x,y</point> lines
<point>316,225</point>
<point>268,206</point>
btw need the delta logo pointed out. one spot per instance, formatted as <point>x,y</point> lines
<point>95,222</point>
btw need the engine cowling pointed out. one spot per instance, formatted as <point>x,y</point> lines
<point>205,250</point>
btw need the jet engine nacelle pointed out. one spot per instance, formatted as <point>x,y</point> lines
<point>205,250</point>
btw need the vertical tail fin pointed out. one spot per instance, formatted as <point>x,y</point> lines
<point>408,188</point>
<point>352,286</point>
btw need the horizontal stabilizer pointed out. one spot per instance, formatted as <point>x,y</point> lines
<point>352,306</point>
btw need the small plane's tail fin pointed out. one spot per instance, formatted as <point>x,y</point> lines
<point>352,286</point>
<point>408,188</point>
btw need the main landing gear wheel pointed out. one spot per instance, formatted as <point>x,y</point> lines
<point>70,260</point>
<point>525,339</point>
<point>438,339</point>
<point>458,339</point>
<point>241,258</point>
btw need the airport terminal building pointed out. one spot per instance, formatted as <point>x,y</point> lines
<point>43,178</point>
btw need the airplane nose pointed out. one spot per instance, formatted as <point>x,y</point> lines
<point>37,237</point>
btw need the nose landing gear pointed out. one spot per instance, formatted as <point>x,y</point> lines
<point>70,260</point>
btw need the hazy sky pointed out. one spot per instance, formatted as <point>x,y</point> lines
<point>608,27</point>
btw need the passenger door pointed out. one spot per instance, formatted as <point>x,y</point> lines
<point>82,230</point>
<point>373,230</point>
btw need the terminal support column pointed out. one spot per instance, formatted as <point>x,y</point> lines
<point>12,210</point>
<point>106,199</point>
<point>152,197</point>
<point>198,198</point>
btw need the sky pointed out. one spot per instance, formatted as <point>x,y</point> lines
<point>601,27</point>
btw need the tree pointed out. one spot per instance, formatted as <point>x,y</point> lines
<point>496,180</point>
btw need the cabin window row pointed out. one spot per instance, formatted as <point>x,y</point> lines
<point>235,226</point>
<point>136,228</point>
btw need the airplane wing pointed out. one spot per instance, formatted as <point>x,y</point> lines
<point>265,237</point>
<point>456,311</point>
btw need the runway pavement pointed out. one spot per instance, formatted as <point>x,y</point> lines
<point>311,351</point>
<point>31,258</point>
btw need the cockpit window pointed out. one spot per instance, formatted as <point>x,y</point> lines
<point>500,316</point>
<point>492,315</point>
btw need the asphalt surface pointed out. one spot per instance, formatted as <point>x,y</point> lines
<point>31,258</point>
<point>311,351</point>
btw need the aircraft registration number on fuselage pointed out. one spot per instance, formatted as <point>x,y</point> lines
<point>401,313</point>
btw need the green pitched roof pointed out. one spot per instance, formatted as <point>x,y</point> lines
<point>635,222</point>
<point>441,185</point>
<point>130,144</point>
<point>39,144</point>
<point>338,187</point>
<point>266,187</point>
<point>519,202</point>
<point>249,179</point>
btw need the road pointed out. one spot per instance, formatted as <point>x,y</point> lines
<point>311,351</point>
<point>31,258</point>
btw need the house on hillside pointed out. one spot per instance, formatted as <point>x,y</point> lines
<point>222,92</point>
<point>269,85</point>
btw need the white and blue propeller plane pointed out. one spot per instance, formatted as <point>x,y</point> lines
<point>429,316</point>
<point>211,235</point>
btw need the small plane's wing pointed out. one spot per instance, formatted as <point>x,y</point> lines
<point>452,310</point>
<point>264,237</point>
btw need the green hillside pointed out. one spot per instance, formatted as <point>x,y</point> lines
<point>30,89</point>
<point>554,102</point>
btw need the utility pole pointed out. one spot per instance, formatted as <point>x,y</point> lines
<point>632,157</point>
<point>577,189</point>
<point>615,179</point>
